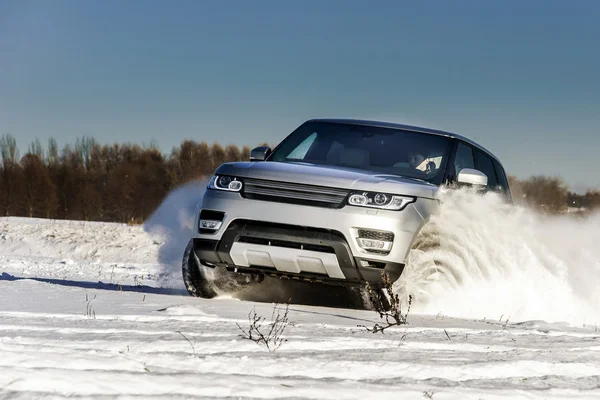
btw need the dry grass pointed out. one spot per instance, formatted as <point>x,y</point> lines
<point>387,305</point>
<point>269,334</point>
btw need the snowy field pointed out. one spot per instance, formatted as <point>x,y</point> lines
<point>91,310</point>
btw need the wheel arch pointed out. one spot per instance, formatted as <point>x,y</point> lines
<point>426,208</point>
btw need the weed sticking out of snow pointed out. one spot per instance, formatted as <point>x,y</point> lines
<point>188,340</point>
<point>269,334</point>
<point>429,394</point>
<point>387,304</point>
<point>89,309</point>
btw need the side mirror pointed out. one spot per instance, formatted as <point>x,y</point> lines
<point>471,176</point>
<point>260,153</point>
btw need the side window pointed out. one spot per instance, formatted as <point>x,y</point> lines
<point>464,158</point>
<point>502,180</point>
<point>484,164</point>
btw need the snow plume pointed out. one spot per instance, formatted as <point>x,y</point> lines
<point>498,261</point>
<point>174,220</point>
<point>493,260</point>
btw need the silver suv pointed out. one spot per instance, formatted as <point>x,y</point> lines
<point>336,202</point>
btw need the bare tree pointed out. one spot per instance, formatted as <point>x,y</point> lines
<point>8,148</point>
<point>9,175</point>
<point>52,155</point>
<point>39,195</point>
<point>592,199</point>
<point>217,155</point>
<point>36,148</point>
<point>548,195</point>
<point>121,205</point>
<point>245,154</point>
<point>84,147</point>
<point>232,153</point>
<point>193,161</point>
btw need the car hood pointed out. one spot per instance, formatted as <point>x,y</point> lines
<point>331,176</point>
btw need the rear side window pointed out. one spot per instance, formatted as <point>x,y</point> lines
<point>502,180</point>
<point>484,164</point>
<point>464,158</point>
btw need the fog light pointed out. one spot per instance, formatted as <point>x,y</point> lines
<point>372,244</point>
<point>235,186</point>
<point>210,224</point>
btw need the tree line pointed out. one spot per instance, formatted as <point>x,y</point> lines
<point>93,182</point>
<point>127,182</point>
<point>551,196</point>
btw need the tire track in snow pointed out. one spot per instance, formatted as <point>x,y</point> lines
<point>328,356</point>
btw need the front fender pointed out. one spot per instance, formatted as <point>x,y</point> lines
<point>426,209</point>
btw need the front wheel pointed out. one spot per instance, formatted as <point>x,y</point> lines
<point>209,282</point>
<point>430,265</point>
<point>375,298</point>
<point>194,276</point>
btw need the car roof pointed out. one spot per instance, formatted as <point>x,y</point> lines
<point>412,128</point>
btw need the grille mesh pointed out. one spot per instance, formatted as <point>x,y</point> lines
<point>376,235</point>
<point>295,193</point>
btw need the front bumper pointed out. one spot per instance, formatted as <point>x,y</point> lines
<point>303,242</point>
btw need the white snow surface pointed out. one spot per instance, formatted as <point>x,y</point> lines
<point>91,310</point>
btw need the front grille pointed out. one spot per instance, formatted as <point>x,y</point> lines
<point>376,235</point>
<point>294,193</point>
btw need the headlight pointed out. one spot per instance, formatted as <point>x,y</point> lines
<point>228,183</point>
<point>379,200</point>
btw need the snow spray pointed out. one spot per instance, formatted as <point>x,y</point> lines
<point>494,260</point>
<point>173,221</point>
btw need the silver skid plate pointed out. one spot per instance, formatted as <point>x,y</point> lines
<point>285,259</point>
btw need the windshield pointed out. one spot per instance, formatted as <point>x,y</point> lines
<point>383,150</point>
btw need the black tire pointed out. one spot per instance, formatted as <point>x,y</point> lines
<point>194,276</point>
<point>375,298</point>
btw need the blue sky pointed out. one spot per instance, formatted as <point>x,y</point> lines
<point>522,78</point>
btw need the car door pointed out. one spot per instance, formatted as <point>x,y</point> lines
<point>467,156</point>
